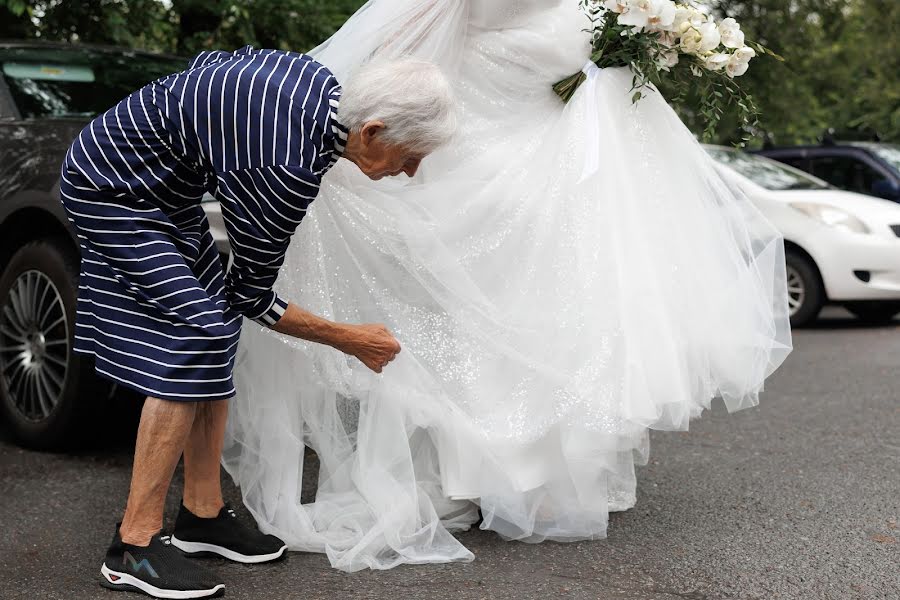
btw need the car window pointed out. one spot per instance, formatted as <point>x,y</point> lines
<point>845,172</point>
<point>797,162</point>
<point>765,172</point>
<point>77,82</point>
<point>889,153</point>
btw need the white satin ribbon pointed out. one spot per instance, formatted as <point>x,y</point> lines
<point>592,124</point>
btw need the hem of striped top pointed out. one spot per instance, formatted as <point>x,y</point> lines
<point>274,314</point>
<point>151,393</point>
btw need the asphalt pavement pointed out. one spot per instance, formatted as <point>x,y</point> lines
<point>798,498</point>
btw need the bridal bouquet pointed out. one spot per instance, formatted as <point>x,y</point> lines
<point>678,43</point>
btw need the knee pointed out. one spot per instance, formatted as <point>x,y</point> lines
<point>168,412</point>
<point>211,411</point>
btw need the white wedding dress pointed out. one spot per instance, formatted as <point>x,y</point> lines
<point>562,278</point>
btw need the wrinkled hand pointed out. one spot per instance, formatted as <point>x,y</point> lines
<point>373,345</point>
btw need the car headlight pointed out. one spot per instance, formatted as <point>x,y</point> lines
<point>831,216</point>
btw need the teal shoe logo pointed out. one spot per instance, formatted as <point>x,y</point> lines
<point>136,566</point>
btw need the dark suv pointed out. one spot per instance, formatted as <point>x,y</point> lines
<point>47,94</point>
<point>871,168</point>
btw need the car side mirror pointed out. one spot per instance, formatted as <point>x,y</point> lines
<point>885,188</point>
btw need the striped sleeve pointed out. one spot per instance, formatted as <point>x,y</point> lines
<point>262,207</point>
<point>208,57</point>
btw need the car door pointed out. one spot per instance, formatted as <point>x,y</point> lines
<point>45,388</point>
<point>13,147</point>
<point>32,147</point>
<point>847,170</point>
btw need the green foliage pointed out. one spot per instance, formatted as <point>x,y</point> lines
<point>178,26</point>
<point>872,43</point>
<point>841,69</point>
<point>285,24</point>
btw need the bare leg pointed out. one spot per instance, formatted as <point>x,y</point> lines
<point>163,431</point>
<point>202,455</point>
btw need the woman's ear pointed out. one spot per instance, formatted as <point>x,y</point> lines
<point>370,131</point>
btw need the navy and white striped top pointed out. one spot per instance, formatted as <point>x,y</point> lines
<point>268,148</point>
<point>256,128</point>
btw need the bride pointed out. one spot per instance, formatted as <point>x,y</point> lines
<point>562,278</point>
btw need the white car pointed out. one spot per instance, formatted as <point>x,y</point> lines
<point>841,247</point>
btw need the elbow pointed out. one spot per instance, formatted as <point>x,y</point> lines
<point>264,307</point>
<point>247,305</point>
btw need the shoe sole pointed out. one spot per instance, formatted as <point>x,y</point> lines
<point>200,549</point>
<point>128,583</point>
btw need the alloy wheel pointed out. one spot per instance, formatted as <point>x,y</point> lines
<point>34,345</point>
<point>796,289</point>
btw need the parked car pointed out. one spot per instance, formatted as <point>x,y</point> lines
<point>840,247</point>
<point>48,92</point>
<point>864,167</point>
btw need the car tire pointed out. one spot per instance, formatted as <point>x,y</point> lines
<point>806,294</point>
<point>49,395</point>
<point>874,312</point>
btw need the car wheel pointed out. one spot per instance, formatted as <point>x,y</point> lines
<point>48,393</point>
<point>874,312</point>
<point>806,294</point>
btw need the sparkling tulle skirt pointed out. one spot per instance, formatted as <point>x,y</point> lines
<point>562,279</point>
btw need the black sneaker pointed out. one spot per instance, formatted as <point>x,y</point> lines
<point>158,570</point>
<point>224,535</point>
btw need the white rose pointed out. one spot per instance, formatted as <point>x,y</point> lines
<point>736,67</point>
<point>710,37</point>
<point>698,17</point>
<point>691,41</point>
<point>730,31</point>
<point>716,61</point>
<point>687,16</point>
<point>744,54</point>
<point>682,16</point>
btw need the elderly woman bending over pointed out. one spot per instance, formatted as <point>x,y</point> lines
<point>157,312</point>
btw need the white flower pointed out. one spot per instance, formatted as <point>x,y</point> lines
<point>649,14</point>
<point>663,16</point>
<point>697,71</point>
<point>710,37</point>
<point>730,31</point>
<point>637,13</point>
<point>716,61</point>
<point>698,34</point>
<point>682,16</point>
<point>736,67</point>
<point>668,59</point>
<point>616,6</point>
<point>691,41</point>
<point>687,16</point>
<point>744,54</point>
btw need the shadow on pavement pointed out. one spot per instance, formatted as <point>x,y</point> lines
<point>835,318</point>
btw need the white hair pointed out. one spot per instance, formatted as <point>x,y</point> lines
<point>411,97</point>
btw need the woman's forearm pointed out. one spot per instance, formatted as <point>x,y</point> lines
<point>302,324</point>
<point>372,344</point>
